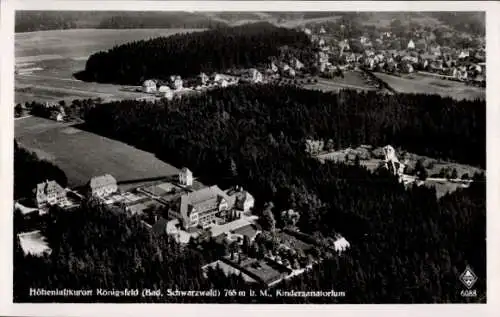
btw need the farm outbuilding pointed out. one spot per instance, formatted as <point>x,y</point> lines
<point>149,86</point>
<point>166,92</point>
<point>178,83</point>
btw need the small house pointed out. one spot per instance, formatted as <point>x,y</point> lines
<point>363,40</point>
<point>168,94</point>
<point>255,76</point>
<point>411,45</point>
<point>203,79</point>
<point>178,83</point>
<point>149,86</point>
<point>463,54</point>
<point>57,116</point>
<point>341,244</point>
<point>290,217</point>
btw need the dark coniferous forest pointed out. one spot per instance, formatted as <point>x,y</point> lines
<point>406,246</point>
<point>29,170</point>
<point>189,54</point>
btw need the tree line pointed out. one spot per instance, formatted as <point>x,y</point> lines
<point>189,54</point>
<point>406,245</point>
<point>29,21</point>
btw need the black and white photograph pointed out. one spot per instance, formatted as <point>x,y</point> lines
<point>249,157</point>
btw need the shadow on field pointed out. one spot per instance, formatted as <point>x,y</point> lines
<point>83,75</point>
<point>203,176</point>
<point>84,127</point>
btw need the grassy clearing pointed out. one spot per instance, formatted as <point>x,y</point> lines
<point>81,154</point>
<point>383,20</point>
<point>417,83</point>
<point>351,80</point>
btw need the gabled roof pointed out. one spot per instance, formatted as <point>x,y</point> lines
<point>205,198</point>
<point>149,83</point>
<point>43,188</point>
<point>208,204</point>
<point>101,181</point>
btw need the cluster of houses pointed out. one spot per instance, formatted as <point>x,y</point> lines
<point>460,64</point>
<point>57,112</point>
<point>176,86</point>
<point>194,206</point>
<point>193,211</point>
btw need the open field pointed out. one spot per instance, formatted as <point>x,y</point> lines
<point>293,23</point>
<point>47,60</point>
<point>384,19</point>
<point>81,154</point>
<point>417,83</point>
<point>351,80</point>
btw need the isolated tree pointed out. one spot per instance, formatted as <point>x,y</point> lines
<point>268,221</point>
<point>234,248</point>
<point>246,244</point>
<point>357,160</point>
<point>420,170</point>
<point>18,110</point>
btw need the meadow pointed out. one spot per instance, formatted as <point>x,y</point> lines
<point>351,80</point>
<point>417,83</point>
<point>372,158</point>
<point>82,155</point>
<point>47,60</point>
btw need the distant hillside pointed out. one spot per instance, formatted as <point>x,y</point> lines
<point>29,21</point>
<point>189,54</point>
<point>467,22</point>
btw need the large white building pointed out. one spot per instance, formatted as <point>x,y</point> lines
<point>49,193</point>
<point>102,186</point>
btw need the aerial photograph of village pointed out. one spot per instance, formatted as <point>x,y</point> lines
<point>249,157</point>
